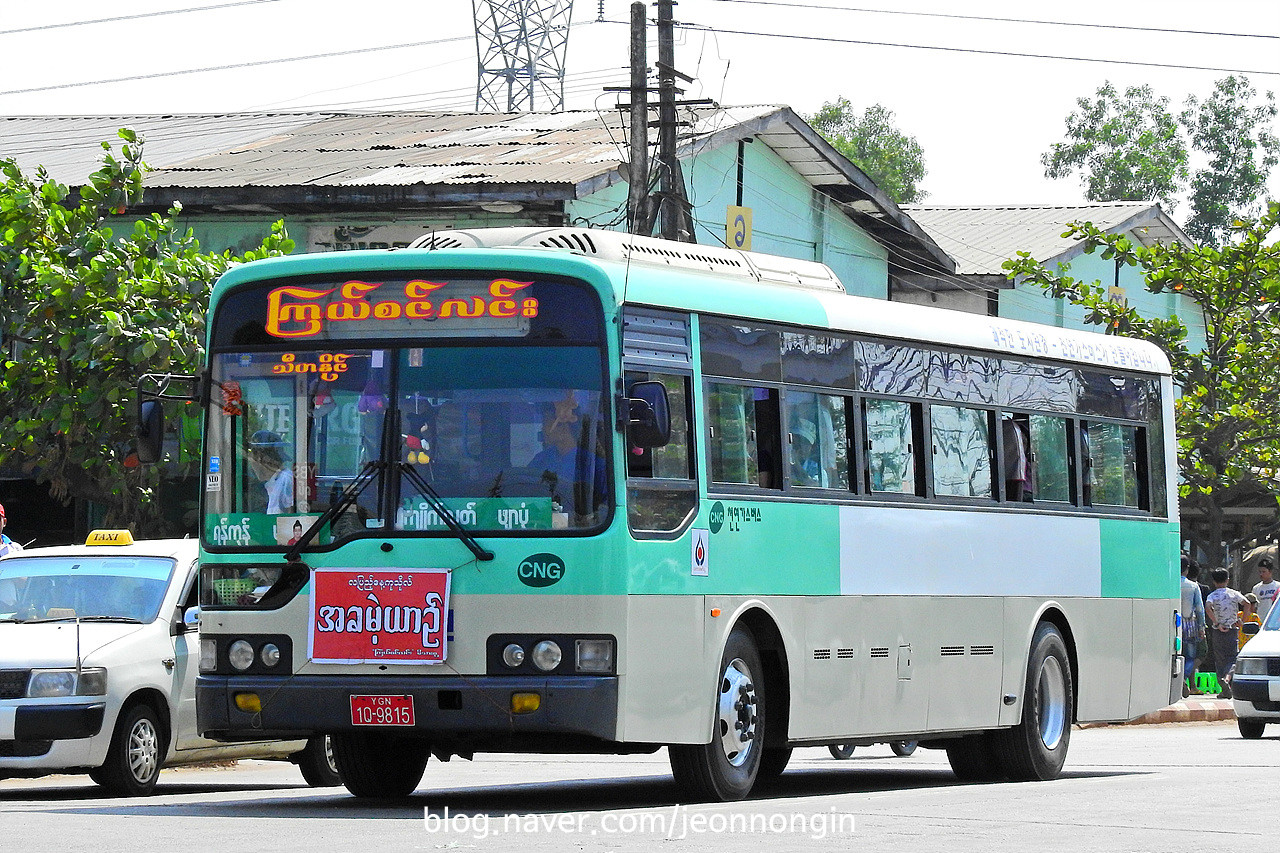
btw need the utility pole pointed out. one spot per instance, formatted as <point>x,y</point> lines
<point>675,216</point>
<point>521,47</point>
<point>669,206</point>
<point>638,173</point>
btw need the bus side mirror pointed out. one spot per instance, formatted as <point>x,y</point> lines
<point>150,431</point>
<point>649,418</point>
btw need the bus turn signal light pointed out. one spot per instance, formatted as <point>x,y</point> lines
<point>249,703</point>
<point>524,703</point>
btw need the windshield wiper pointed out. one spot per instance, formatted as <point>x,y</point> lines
<point>129,619</point>
<point>346,498</point>
<point>450,520</point>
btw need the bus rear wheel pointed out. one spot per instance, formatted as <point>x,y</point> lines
<point>726,769</point>
<point>1036,748</point>
<point>972,759</point>
<point>379,766</point>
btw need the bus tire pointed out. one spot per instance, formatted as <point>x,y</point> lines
<point>903,748</point>
<point>378,766</point>
<point>841,751</point>
<point>318,766</point>
<point>726,769</point>
<point>1036,748</point>
<point>972,759</point>
<point>774,761</point>
<point>138,748</point>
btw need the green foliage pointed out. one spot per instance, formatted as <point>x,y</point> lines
<point>1235,135</point>
<point>889,157</point>
<point>83,313</point>
<point>1132,148</point>
<point>1126,148</point>
<point>1228,414</point>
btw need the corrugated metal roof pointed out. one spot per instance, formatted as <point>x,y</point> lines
<point>307,158</point>
<point>981,238</point>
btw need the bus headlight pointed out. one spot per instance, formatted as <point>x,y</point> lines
<point>240,654</point>
<point>208,654</point>
<point>594,655</point>
<point>513,655</point>
<point>1251,666</point>
<point>546,655</point>
<point>270,654</point>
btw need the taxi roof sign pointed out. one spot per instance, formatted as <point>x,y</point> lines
<point>110,537</point>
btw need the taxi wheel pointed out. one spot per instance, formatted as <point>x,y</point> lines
<point>137,750</point>
<point>1250,729</point>
<point>317,763</point>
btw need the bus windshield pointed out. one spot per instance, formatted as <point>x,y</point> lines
<point>512,438</point>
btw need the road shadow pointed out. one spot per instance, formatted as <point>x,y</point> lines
<point>497,801</point>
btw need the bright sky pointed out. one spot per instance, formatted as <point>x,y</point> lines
<point>982,114</point>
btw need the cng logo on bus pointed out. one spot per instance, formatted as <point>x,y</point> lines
<point>540,570</point>
<point>715,518</point>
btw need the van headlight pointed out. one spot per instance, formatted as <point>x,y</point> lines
<point>53,683</point>
<point>1251,666</point>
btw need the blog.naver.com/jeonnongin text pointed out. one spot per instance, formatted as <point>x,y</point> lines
<point>671,824</point>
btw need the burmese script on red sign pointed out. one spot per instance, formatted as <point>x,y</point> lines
<point>379,616</point>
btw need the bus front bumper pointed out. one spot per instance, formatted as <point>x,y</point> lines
<point>448,705</point>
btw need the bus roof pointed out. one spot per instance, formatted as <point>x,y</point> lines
<point>729,282</point>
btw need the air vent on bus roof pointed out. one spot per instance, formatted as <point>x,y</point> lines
<point>628,248</point>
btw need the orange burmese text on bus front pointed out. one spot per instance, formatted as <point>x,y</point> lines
<point>300,312</point>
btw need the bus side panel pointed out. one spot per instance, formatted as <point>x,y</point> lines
<point>667,691</point>
<point>1101,633</point>
<point>963,664</point>
<point>1152,655</point>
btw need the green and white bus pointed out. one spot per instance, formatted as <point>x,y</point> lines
<point>565,490</point>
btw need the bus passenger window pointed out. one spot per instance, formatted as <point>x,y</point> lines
<point>745,435</point>
<point>961,451</point>
<point>1016,463</point>
<point>1114,474</point>
<point>817,440</point>
<point>1050,462</point>
<point>892,439</point>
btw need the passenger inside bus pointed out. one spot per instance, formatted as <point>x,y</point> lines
<point>573,469</point>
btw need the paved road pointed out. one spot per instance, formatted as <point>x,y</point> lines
<point>1126,788</point>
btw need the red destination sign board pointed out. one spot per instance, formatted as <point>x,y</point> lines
<point>379,616</point>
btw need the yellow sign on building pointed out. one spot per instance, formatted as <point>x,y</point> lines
<point>737,227</point>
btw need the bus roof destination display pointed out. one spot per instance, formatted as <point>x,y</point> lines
<point>357,309</point>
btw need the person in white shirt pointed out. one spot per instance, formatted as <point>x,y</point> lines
<point>1223,607</point>
<point>1267,589</point>
<point>268,466</point>
<point>7,545</point>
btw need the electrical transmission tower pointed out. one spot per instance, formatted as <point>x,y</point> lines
<point>521,46</point>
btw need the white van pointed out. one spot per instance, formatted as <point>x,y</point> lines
<point>98,661</point>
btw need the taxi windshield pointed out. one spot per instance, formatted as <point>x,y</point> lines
<point>87,588</point>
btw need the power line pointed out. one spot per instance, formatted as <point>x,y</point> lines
<point>997,19</point>
<point>833,40</point>
<point>136,17</point>
<point>233,67</point>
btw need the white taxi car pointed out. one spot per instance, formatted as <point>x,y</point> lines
<point>1255,685</point>
<point>98,660</point>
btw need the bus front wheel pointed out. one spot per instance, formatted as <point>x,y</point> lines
<point>726,768</point>
<point>1036,748</point>
<point>379,766</point>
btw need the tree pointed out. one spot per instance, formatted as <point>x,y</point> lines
<point>1126,148</point>
<point>889,157</point>
<point>83,313</point>
<point>1235,135</point>
<point>1228,414</point>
